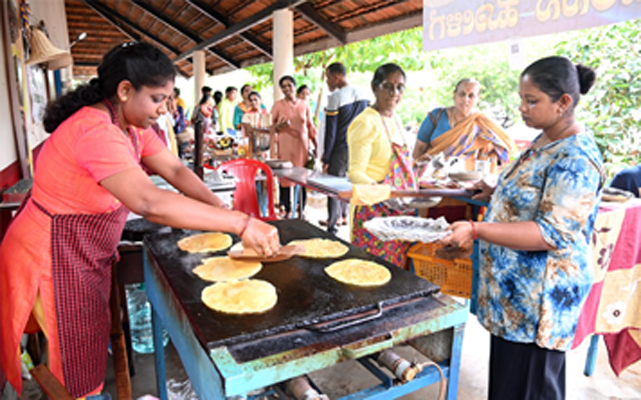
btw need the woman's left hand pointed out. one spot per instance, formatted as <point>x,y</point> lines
<point>461,232</point>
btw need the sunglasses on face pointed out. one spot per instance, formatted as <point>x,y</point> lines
<point>391,89</point>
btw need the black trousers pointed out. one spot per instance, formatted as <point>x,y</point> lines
<point>285,198</point>
<point>335,208</point>
<point>525,371</point>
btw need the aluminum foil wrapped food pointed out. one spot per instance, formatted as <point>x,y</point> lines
<point>408,228</point>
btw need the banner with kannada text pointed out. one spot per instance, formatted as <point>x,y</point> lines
<point>453,23</point>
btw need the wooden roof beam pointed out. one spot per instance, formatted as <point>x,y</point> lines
<point>242,26</point>
<point>309,12</point>
<point>186,32</point>
<point>118,21</point>
<point>106,14</point>
<point>215,15</point>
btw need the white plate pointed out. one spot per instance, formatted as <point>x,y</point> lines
<point>465,176</point>
<point>407,228</point>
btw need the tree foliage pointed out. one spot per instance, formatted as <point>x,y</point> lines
<point>612,109</point>
<point>443,70</point>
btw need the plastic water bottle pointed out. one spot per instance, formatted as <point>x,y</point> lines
<point>142,337</point>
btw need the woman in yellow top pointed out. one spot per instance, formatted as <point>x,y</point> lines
<point>378,154</point>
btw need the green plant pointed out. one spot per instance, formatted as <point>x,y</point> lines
<point>612,109</point>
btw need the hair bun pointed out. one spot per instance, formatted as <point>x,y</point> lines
<point>587,77</point>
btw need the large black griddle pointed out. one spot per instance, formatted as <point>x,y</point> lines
<point>307,297</point>
<point>136,229</point>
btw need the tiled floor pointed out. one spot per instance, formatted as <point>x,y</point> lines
<point>348,377</point>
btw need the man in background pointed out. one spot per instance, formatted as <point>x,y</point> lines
<point>226,111</point>
<point>629,179</point>
<point>343,105</point>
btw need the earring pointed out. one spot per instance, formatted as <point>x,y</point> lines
<point>124,98</point>
<point>561,111</point>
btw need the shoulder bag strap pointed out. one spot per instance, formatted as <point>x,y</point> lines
<point>434,123</point>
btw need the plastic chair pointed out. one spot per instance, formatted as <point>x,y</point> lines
<point>246,196</point>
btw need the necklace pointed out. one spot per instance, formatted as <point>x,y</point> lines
<point>112,112</point>
<point>544,142</point>
<point>129,134</point>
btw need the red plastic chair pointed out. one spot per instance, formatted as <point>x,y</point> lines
<point>246,195</point>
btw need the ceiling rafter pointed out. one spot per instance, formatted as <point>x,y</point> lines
<point>98,9</point>
<point>242,26</point>
<point>185,32</point>
<point>121,22</point>
<point>180,24</point>
<point>216,16</point>
<point>309,12</point>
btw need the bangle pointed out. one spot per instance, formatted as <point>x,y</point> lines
<point>240,235</point>
<point>474,232</point>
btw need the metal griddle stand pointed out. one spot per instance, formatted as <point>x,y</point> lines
<point>433,325</point>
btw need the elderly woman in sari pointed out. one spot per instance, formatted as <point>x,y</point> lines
<point>459,131</point>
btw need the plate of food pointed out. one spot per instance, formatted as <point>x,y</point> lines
<point>408,228</point>
<point>614,195</point>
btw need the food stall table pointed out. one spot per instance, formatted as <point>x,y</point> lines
<point>613,307</point>
<point>232,355</point>
<point>327,184</point>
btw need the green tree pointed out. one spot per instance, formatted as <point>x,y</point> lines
<point>612,109</point>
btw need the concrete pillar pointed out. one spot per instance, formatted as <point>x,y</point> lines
<point>199,74</point>
<point>283,45</point>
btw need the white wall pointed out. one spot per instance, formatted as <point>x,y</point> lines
<point>8,153</point>
<point>52,12</point>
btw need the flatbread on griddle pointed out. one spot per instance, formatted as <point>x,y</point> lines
<point>205,242</point>
<point>359,272</point>
<point>321,248</point>
<point>250,296</point>
<point>216,269</point>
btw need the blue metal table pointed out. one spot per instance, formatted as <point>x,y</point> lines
<point>220,371</point>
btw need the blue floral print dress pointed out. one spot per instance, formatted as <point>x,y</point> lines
<point>537,296</point>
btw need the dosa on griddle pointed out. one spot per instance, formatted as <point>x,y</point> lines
<point>216,269</point>
<point>250,296</point>
<point>205,242</point>
<point>359,272</point>
<point>321,248</point>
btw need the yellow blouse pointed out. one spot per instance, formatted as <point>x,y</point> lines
<point>370,150</point>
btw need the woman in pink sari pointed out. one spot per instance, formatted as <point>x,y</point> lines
<point>292,119</point>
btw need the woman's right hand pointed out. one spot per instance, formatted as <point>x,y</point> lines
<point>486,190</point>
<point>261,237</point>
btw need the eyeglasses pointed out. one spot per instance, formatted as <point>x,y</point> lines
<point>391,89</point>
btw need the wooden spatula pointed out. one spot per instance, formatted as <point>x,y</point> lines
<point>284,253</point>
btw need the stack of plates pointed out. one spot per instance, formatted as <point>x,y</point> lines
<point>465,176</point>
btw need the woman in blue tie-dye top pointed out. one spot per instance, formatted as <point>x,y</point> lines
<point>535,272</point>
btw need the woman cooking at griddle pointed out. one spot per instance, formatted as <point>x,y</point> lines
<point>55,260</point>
<point>535,273</point>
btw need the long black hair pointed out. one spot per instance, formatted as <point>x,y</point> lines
<point>137,62</point>
<point>556,76</point>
